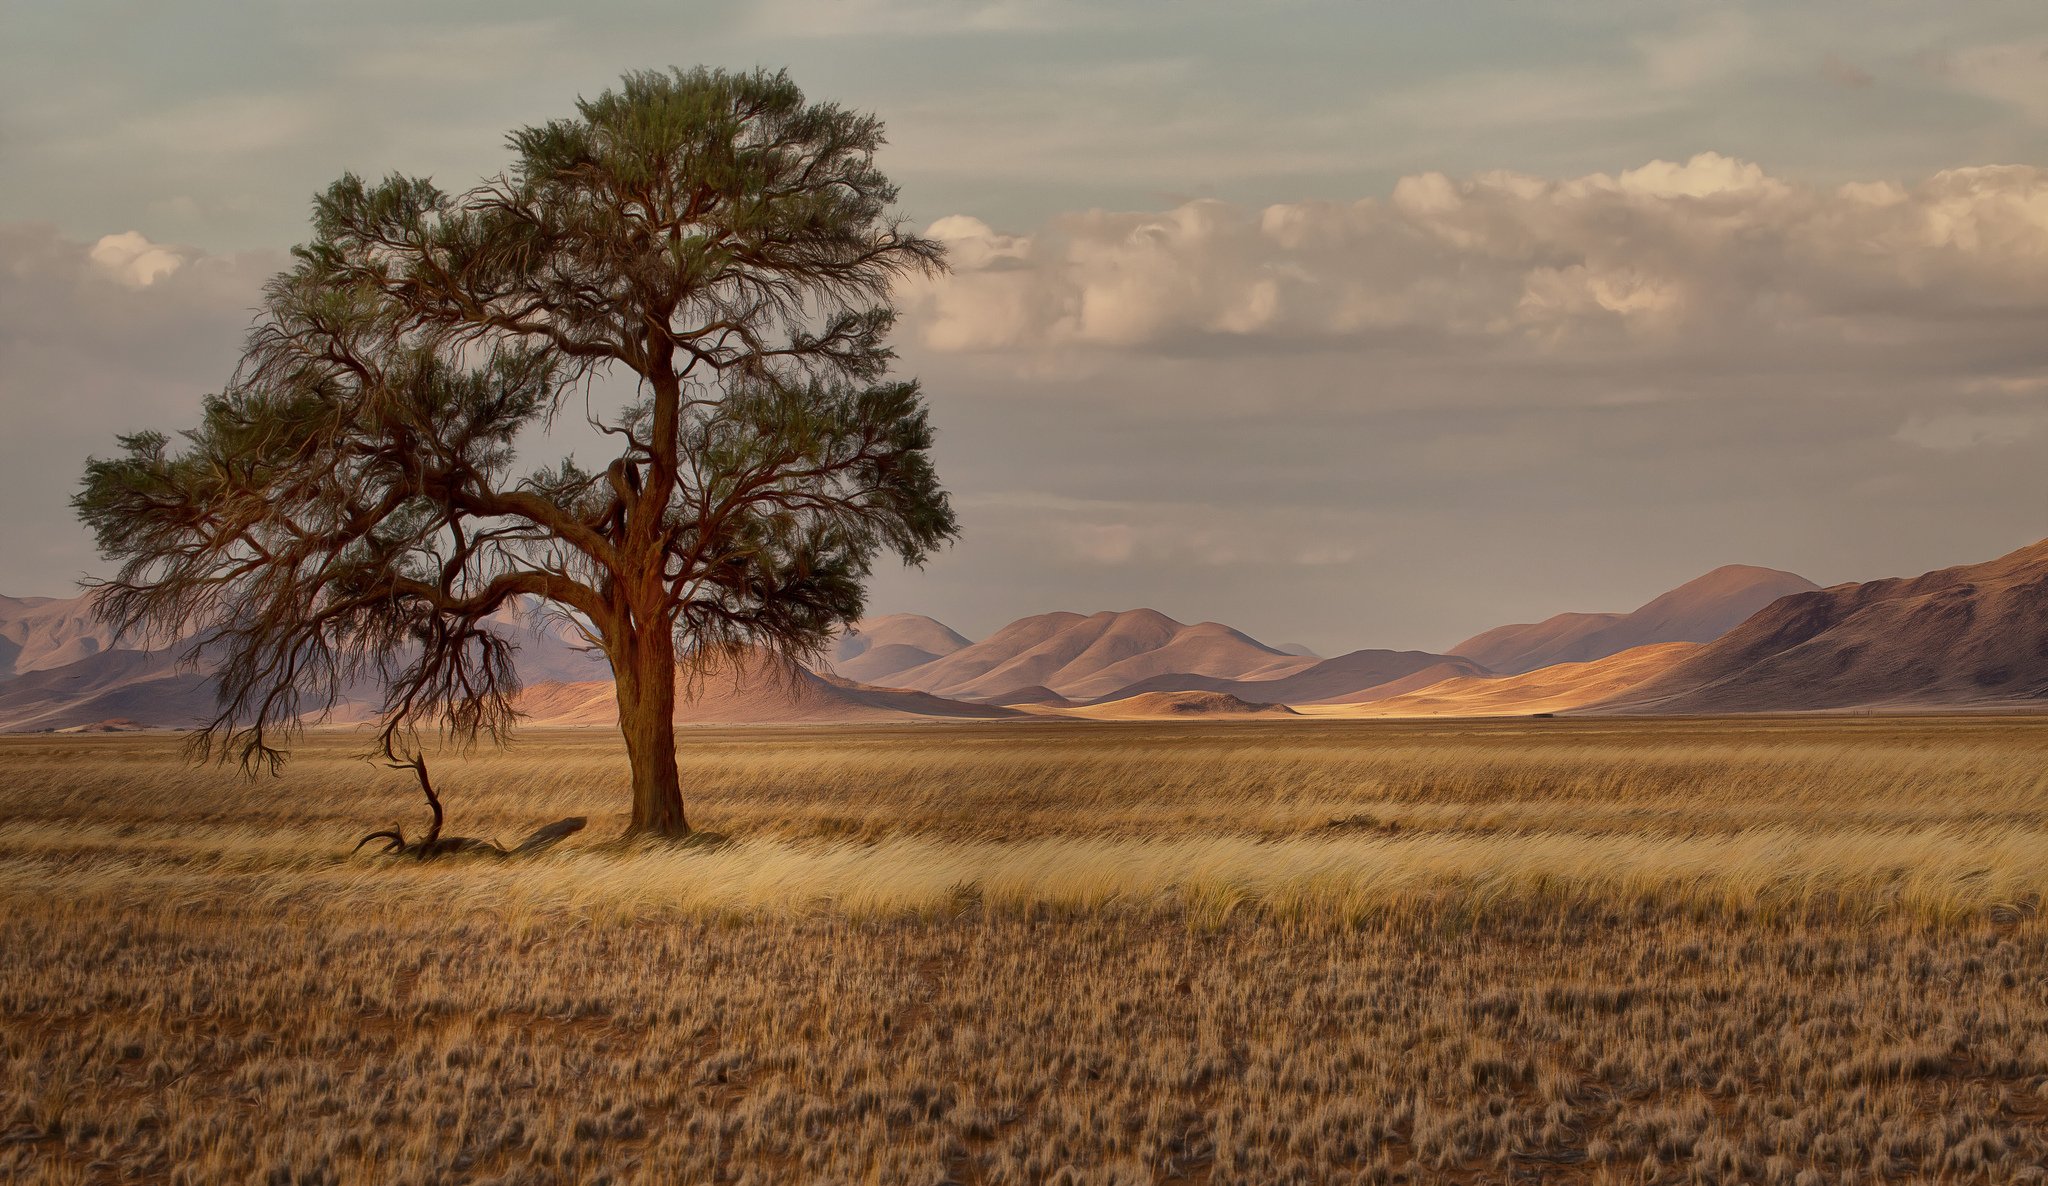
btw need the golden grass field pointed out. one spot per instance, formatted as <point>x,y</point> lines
<point>1766,951</point>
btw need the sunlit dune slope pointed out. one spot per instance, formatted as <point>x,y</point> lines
<point>1360,675</point>
<point>1036,694</point>
<point>1178,705</point>
<point>1557,688</point>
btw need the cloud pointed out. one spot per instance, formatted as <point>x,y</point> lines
<point>1671,257</point>
<point>133,260</point>
<point>1471,398</point>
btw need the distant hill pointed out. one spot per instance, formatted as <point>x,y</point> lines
<point>151,689</point>
<point>1560,687</point>
<point>1971,636</point>
<point>60,668</point>
<point>879,648</point>
<point>1701,610</point>
<point>40,633</point>
<point>1089,656</point>
<point>1739,639</point>
<point>757,691</point>
<point>1358,676</point>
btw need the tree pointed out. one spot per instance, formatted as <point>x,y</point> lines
<point>347,509</point>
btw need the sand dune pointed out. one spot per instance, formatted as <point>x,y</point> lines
<point>1974,635</point>
<point>759,691</point>
<point>1360,675</point>
<point>1178,706</point>
<point>878,648</point>
<point>1701,610</point>
<point>1557,688</point>
<point>1035,695</point>
<point>1081,657</point>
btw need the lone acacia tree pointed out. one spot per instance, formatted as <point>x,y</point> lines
<point>347,509</point>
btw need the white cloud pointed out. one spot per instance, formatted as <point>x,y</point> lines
<point>132,259</point>
<point>1689,254</point>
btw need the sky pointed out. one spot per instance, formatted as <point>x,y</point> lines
<point>1366,323</point>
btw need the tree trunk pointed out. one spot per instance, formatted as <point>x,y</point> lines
<point>647,716</point>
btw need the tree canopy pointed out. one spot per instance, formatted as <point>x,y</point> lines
<point>350,508</point>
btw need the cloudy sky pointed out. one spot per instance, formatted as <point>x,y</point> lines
<point>1366,323</point>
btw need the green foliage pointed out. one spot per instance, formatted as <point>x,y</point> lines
<point>348,510</point>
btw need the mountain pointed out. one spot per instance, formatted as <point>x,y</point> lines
<point>1557,688</point>
<point>756,691</point>
<point>550,648</point>
<point>1701,610</point>
<point>150,688</point>
<point>1974,635</point>
<point>1356,677</point>
<point>60,668</point>
<point>1082,657</point>
<point>878,648</point>
<point>39,633</point>
<point>1035,695</point>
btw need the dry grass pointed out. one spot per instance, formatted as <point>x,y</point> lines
<point>1566,951</point>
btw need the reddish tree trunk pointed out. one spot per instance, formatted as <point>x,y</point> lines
<point>646,684</point>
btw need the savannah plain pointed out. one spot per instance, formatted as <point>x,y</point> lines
<point>1791,950</point>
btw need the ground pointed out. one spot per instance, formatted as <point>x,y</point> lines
<point>1799,951</point>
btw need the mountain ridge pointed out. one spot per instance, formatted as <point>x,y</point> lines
<point>1967,635</point>
<point>1970,635</point>
<point>1700,610</point>
<point>1083,656</point>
